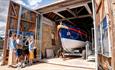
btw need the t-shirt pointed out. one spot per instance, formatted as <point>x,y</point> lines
<point>18,41</point>
<point>31,45</point>
<point>26,45</point>
<point>12,43</point>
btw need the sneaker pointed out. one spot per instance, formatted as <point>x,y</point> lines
<point>23,65</point>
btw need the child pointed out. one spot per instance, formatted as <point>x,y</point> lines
<point>31,54</point>
<point>26,50</point>
<point>19,50</point>
<point>35,53</point>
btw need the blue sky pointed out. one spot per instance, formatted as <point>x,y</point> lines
<point>37,3</point>
<point>33,4</point>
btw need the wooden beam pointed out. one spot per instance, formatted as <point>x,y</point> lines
<point>95,34</point>
<point>63,6</point>
<point>71,12</point>
<point>111,7</point>
<point>13,9</point>
<point>59,15</point>
<point>80,10</point>
<point>62,17</point>
<point>88,9</point>
<point>72,6</point>
<point>83,16</point>
<point>99,6</point>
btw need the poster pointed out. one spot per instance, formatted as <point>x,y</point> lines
<point>103,37</point>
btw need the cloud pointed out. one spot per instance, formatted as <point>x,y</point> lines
<point>33,2</point>
<point>43,3</point>
<point>2,25</point>
<point>3,10</point>
<point>3,17</point>
<point>2,28</point>
<point>19,2</point>
<point>4,4</point>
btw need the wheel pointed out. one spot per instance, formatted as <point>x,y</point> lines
<point>84,54</point>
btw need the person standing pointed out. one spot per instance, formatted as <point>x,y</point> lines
<point>19,50</point>
<point>35,54</point>
<point>26,50</point>
<point>12,49</point>
<point>31,54</point>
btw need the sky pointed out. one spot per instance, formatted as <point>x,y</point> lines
<point>3,16</point>
<point>35,4</point>
<point>32,4</point>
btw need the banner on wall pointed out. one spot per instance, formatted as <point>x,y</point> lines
<point>103,37</point>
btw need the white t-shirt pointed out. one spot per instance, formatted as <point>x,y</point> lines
<point>18,41</point>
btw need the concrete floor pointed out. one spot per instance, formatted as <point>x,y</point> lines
<point>58,64</point>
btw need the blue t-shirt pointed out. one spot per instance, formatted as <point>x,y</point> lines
<point>12,43</point>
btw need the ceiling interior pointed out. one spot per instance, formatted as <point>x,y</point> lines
<point>80,17</point>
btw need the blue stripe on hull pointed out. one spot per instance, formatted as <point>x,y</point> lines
<point>69,34</point>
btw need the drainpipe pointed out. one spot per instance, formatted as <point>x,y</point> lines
<point>95,33</point>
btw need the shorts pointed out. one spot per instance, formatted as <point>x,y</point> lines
<point>26,52</point>
<point>35,53</point>
<point>18,52</point>
<point>31,55</point>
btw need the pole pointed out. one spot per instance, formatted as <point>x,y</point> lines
<point>92,48</point>
<point>19,19</point>
<point>5,44</point>
<point>111,11</point>
<point>95,33</point>
<point>36,34</point>
<point>40,35</point>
